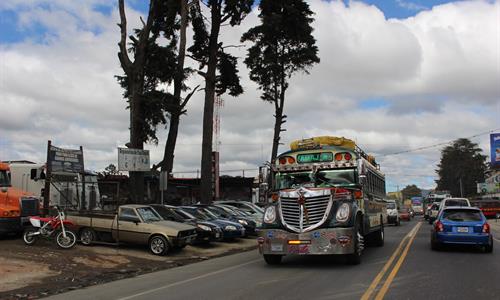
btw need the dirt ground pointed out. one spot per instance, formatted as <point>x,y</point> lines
<point>31,272</point>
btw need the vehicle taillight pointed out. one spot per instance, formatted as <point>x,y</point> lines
<point>347,156</point>
<point>282,160</point>
<point>290,160</point>
<point>439,226</point>
<point>486,228</point>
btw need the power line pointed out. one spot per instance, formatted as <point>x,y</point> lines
<point>438,144</point>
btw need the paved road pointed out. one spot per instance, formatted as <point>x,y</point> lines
<point>405,268</point>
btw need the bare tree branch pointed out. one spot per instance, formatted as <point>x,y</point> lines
<point>122,55</point>
<point>188,97</point>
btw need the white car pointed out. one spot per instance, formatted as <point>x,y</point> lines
<point>392,213</point>
<point>454,202</point>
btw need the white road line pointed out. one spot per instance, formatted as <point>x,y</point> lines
<point>188,280</point>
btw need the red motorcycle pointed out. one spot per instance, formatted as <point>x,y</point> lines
<point>49,227</point>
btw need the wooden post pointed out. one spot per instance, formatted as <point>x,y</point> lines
<point>48,179</point>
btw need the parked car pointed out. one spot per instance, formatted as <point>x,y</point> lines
<point>206,231</point>
<point>137,224</point>
<point>244,205</point>
<point>231,215</point>
<point>433,212</point>
<point>230,230</point>
<point>454,202</point>
<point>255,218</point>
<point>392,213</point>
<point>404,214</point>
<point>461,225</point>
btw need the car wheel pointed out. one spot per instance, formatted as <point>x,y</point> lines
<point>87,236</point>
<point>158,245</point>
<point>273,259</point>
<point>489,248</point>
<point>435,245</point>
<point>355,258</point>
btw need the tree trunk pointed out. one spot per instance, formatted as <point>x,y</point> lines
<point>136,142</point>
<point>278,120</point>
<point>206,190</point>
<point>168,156</point>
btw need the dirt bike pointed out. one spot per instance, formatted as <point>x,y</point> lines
<point>50,227</point>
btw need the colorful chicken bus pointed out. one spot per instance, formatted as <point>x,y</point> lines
<point>327,198</point>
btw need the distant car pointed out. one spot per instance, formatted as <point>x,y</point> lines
<point>433,212</point>
<point>206,231</point>
<point>392,213</point>
<point>244,205</point>
<point>230,229</point>
<point>454,202</point>
<point>461,225</point>
<point>231,215</point>
<point>404,214</point>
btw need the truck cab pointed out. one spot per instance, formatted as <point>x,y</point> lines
<point>15,205</point>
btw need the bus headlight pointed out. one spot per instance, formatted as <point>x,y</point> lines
<point>270,215</point>
<point>343,213</point>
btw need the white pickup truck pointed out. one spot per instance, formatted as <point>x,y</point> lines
<point>135,224</point>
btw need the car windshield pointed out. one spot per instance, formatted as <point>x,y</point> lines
<point>148,214</point>
<point>199,214</point>
<point>168,214</point>
<point>462,215</point>
<point>403,210</point>
<point>322,178</point>
<point>184,213</point>
<point>212,214</point>
<point>4,179</point>
<point>391,205</point>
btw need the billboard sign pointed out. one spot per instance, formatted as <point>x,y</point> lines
<point>135,160</point>
<point>495,149</point>
<point>61,160</point>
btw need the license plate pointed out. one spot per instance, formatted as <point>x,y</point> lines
<point>462,229</point>
<point>217,235</point>
<point>277,247</point>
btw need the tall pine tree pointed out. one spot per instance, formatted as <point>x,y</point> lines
<point>283,44</point>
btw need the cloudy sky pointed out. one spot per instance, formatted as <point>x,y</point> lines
<point>394,76</point>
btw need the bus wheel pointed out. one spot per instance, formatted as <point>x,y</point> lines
<point>273,259</point>
<point>378,236</point>
<point>355,258</point>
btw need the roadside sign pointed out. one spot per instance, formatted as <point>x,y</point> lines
<point>163,180</point>
<point>135,160</point>
<point>61,160</point>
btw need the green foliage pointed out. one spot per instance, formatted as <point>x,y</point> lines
<point>411,191</point>
<point>233,11</point>
<point>462,161</point>
<point>159,69</point>
<point>283,45</point>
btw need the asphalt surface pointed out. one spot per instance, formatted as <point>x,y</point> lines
<point>405,268</point>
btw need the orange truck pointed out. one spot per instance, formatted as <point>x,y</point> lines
<point>15,205</point>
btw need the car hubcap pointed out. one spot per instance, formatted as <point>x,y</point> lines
<point>157,246</point>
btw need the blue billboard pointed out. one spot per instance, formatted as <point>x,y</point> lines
<point>495,149</point>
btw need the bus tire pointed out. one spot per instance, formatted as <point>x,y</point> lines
<point>378,236</point>
<point>358,241</point>
<point>271,259</point>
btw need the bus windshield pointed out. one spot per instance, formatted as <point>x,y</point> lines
<point>322,178</point>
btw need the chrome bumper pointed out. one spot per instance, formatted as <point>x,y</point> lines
<point>325,241</point>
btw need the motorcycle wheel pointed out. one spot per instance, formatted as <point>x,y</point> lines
<point>66,242</point>
<point>28,237</point>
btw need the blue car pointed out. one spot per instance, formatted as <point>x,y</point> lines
<point>461,225</point>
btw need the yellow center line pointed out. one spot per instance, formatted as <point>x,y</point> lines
<point>381,274</point>
<point>395,270</point>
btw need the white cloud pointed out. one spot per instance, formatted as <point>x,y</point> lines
<point>437,71</point>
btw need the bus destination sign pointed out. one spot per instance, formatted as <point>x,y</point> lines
<point>315,157</point>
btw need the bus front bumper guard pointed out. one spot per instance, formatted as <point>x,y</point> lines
<point>326,241</point>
